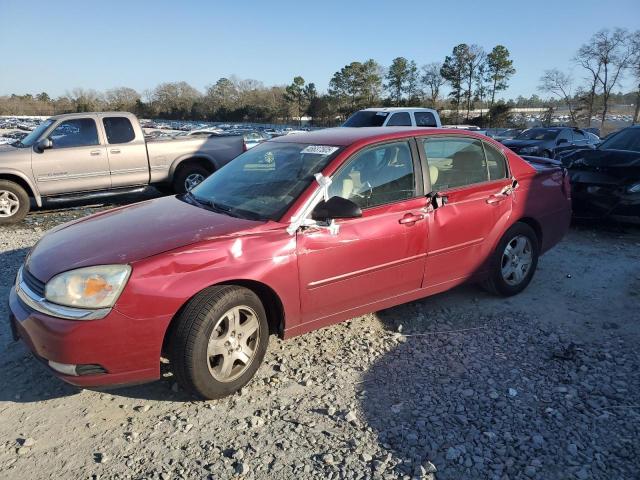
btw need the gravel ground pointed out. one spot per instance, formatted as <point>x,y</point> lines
<point>461,385</point>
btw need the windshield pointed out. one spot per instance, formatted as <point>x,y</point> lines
<point>30,139</point>
<point>627,139</point>
<point>263,182</point>
<point>366,119</point>
<point>538,134</point>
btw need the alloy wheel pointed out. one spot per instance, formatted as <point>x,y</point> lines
<point>193,180</point>
<point>516,260</point>
<point>9,203</point>
<point>233,343</point>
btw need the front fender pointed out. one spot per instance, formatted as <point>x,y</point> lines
<point>17,173</point>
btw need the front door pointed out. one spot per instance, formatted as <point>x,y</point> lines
<point>472,177</point>
<point>375,257</point>
<point>77,161</point>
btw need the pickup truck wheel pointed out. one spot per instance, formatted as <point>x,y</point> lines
<point>514,261</point>
<point>188,177</point>
<point>14,202</point>
<point>219,341</point>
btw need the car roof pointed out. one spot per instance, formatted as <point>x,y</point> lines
<point>397,109</point>
<point>88,114</point>
<point>343,136</point>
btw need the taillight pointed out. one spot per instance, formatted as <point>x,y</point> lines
<point>244,146</point>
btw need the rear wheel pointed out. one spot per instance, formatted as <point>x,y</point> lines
<point>514,262</point>
<point>14,202</point>
<point>219,341</point>
<point>188,176</point>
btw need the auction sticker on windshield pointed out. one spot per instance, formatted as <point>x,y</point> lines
<point>319,149</point>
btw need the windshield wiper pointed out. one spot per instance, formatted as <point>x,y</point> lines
<point>211,205</point>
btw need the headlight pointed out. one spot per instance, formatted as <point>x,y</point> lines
<point>635,188</point>
<point>90,287</point>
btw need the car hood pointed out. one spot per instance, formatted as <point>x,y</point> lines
<point>522,143</point>
<point>127,234</point>
<point>588,159</point>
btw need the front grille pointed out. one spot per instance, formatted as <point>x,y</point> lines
<point>33,283</point>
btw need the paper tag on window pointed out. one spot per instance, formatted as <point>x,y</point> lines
<point>319,149</point>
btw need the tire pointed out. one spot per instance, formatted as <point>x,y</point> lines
<point>504,278</point>
<point>199,366</point>
<point>186,174</point>
<point>14,202</point>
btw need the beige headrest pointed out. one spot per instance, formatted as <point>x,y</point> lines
<point>433,174</point>
<point>347,188</point>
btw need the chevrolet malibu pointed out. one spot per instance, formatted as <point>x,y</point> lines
<point>296,234</point>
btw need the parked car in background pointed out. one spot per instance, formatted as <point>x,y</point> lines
<point>394,117</point>
<point>300,232</point>
<point>500,134</point>
<point>606,181</point>
<point>547,142</point>
<point>81,155</point>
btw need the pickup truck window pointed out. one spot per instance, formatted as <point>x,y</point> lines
<point>400,119</point>
<point>425,119</point>
<point>118,130</point>
<point>455,162</point>
<point>78,132</point>
<point>264,181</point>
<point>366,118</point>
<point>377,176</point>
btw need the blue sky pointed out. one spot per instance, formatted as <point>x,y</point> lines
<point>58,45</point>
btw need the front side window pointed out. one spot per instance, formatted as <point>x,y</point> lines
<point>377,175</point>
<point>455,162</point>
<point>400,119</point>
<point>78,132</point>
<point>118,130</point>
<point>425,119</point>
<point>263,182</point>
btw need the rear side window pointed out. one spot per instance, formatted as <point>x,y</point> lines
<point>496,163</point>
<point>425,119</point>
<point>455,162</point>
<point>365,118</point>
<point>118,130</point>
<point>400,119</point>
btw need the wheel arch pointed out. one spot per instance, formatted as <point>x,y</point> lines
<point>535,225</point>
<point>24,182</point>
<point>269,298</point>
<point>207,161</point>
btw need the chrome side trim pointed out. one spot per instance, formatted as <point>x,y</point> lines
<point>42,305</point>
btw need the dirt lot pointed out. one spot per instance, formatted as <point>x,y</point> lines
<point>460,385</point>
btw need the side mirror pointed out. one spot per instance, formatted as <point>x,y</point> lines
<point>43,145</point>
<point>561,141</point>
<point>335,207</point>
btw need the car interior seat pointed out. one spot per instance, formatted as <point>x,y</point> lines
<point>467,168</point>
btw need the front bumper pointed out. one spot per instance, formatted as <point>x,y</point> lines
<point>600,201</point>
<point>126,349</point>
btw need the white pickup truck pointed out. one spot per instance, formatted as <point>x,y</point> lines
<point>80,155</point>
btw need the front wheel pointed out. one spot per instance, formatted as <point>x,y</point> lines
<point>219,342</point>
<point>514,261</point>
<point>14,202</point>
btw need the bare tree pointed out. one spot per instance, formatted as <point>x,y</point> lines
<point>613,52</point>
<point>635,71</point>
<point>432,80</point>
<point>593,65</point>
<point>559,84</point>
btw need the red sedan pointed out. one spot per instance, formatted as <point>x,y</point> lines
<point>298,233</point>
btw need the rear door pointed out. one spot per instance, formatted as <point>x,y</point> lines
<point>378,256</point>
<point>473,180</point>
<point>76,162</point>
<point>127,152</point>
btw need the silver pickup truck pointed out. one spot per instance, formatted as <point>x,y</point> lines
<point>81,155</point>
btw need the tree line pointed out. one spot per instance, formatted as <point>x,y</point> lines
<point>466,79</point>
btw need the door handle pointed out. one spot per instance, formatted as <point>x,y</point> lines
<point>410,218</point>
<point>114,150</point>
<point>95,153</point>
<point>496,199</point>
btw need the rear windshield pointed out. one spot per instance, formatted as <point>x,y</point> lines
<point>366,119</point>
